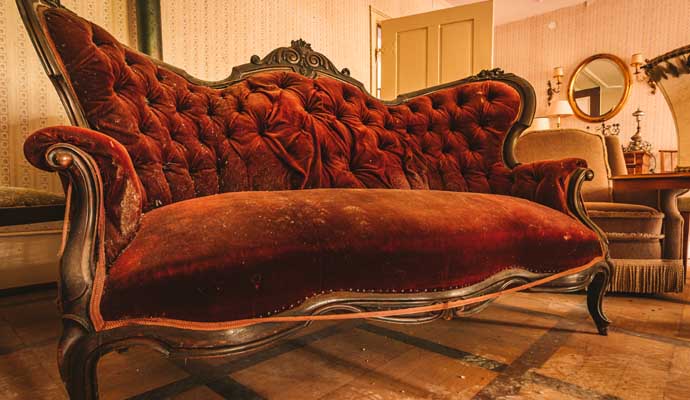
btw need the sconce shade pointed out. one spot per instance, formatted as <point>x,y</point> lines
<point>558,72</point>
<point>637,59</point>
<point>560,108</point>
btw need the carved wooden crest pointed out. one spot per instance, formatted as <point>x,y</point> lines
<point>301,55</point>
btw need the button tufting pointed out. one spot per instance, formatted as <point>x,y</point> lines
<point>461,99</point>
<point>340,152</point>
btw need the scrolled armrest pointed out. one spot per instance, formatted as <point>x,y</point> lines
<point>548,182</point>
<point>123,194</point>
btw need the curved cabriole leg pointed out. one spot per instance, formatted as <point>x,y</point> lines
<point>77,360</point>
<point>595,297</point>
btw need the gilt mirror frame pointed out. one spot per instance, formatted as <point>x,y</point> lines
<point>621,103</point>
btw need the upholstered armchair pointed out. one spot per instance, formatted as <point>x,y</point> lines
<point>644,229</point>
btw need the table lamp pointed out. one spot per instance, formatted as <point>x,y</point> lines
<point>540,124</point>
<point>559,109</point>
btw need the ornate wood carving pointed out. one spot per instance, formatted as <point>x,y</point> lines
<point>667,66</point>
<point>300,54</point>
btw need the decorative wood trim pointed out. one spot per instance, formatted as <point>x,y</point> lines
<point>663,66</point>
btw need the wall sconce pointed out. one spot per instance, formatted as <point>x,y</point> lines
<point>637,61</point>
<point>558,76</point>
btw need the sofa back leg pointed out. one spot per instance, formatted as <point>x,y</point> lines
<point>595,296</point>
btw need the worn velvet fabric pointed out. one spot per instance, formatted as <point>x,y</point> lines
<point>167,149</point>
<point>262,252</point>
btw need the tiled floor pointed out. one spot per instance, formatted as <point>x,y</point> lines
<point>527,345</point>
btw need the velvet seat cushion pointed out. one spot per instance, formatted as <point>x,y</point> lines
<point>246,254</point>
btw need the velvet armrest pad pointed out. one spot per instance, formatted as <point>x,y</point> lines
<point>546,182</point>
<point>122,190</point>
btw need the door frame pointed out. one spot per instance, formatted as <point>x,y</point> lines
<point>375,18</point>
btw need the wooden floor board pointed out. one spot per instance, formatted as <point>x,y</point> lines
<point>524,346</point>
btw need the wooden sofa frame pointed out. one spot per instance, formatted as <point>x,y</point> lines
<point>81,346</point>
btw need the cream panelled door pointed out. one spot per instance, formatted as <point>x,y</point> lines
<point>427,49</point>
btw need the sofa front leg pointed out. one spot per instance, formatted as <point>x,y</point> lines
<point>77,361</point>
<point>595,297</point>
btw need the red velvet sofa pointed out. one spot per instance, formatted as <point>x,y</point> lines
<point>208,218</point>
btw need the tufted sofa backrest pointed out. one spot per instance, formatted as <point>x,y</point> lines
<point>279,130</point>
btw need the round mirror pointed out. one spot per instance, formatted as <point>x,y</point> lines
<point>599,88</point>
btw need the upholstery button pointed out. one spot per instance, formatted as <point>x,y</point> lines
<point>256,281</point>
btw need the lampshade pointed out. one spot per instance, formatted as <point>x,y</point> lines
<point>560,108</point>
<point>540,124</point>
<point>637,59</point>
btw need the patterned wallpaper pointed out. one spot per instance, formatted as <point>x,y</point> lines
<point>27,98</point>
<point>208,37</point>
<point>621,27</point>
